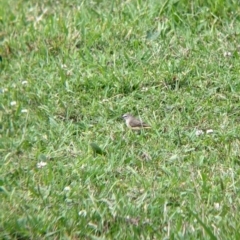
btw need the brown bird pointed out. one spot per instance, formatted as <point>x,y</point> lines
<point>134,123</point>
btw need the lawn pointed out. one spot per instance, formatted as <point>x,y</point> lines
<point>69,166</point>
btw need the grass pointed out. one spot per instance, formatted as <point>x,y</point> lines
<point>69,70</point>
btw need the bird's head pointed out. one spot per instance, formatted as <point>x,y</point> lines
<point>126,116</point>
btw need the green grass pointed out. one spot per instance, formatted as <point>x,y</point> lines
<point>175,64</point>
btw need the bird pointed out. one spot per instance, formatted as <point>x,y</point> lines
<point>133,123</point>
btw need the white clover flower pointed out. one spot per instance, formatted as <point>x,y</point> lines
<point>217,206</point>
<point>41,164</point>
<point>3,90</point>
<point>13,103</point>
<point>209,131</point>
<point>63,66</point>
<point>82,213</point>
<point>144,89</point>
<point>67,188</point>
<point>199,132</point>
<point>227,54</point>
<point>24,111</point>
<point>24,82</point>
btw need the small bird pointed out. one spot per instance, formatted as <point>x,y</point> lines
<point>134,123</point>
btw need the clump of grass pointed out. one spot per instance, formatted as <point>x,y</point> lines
<point>69,70</point>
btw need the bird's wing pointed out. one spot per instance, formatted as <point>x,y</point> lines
<point>137,123</point>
